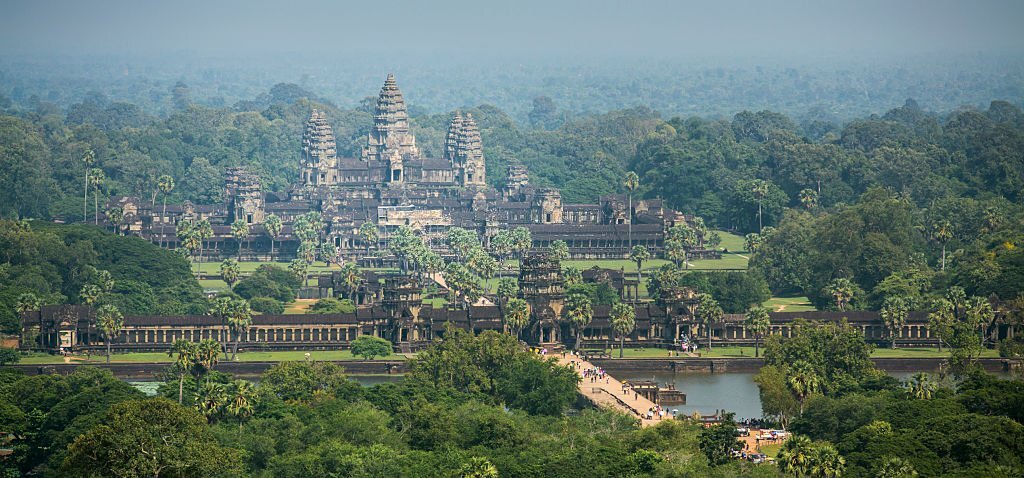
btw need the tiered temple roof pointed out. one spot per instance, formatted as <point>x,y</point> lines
<point>390,130</point>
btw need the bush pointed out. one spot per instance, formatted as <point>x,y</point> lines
<point>266,305</point>
<point>1011,348</point>
<point>331,305</point>
<point>269,281</point>
<point>369,347</point>
<point>8,355</point>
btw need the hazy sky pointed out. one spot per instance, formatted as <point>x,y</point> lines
<point>523,28</point>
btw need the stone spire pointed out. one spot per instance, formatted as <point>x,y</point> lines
<point>390,126</point>
<point>470,153</point>
<point>451,140</point>
<point>319,151</point>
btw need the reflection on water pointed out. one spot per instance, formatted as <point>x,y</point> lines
<point>706,392</point>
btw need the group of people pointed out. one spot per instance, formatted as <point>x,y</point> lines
<point>658,413</point>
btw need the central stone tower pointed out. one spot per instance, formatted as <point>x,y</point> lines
<point>390,139</point>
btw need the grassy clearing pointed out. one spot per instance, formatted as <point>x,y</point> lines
<point>748,352</point>
<point>732,242</point>
<point>248,267</point>
<point>159,357</point>
<point>789,304</point>
<point>299,306</point>
<point>922,352</point>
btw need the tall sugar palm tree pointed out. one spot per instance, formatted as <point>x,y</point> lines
<point>299,268</point>
<point>230,271</point>
<point>241,398</point>
<point>110,322</point>
<point>803,381</point>
<point>240,231</point>
<point>759,322</point>
<point>841,290</point>
<point>210,399</point>
<point>580,311</point>
<point>184,363</point>
<point>96,180</point>
<point>221,309</point>
<point>826,462</point>
<point>165,184</point>
<point>632,182</point>
<point>208,355</point>
<point>478,467</point>
<point>894,316</point>
<point>795,456</point>
<point>623,322</point>
<point>517,315</point>
<point>639,254</point>
<point>808,198</point>
<point>709,312</point>
<point>26,302</point>
<point>273,225</point>
<point>895,467</point>
<point>942,232</point>
<point>352,278</point>
<point>239,319</point>
<point>88,159</point>
<point>369,235</point>
<point>760,189</point>
<point>116,217</point>
<point>204,231</point>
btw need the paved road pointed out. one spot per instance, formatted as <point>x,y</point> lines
<point>607,393</point>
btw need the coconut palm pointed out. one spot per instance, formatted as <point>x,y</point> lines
<point>894,316</point>
<point>760,322</point>
<point>841,290</point>
<point>273,225</point>
<point>517,315</point>
<point>478,467</point>
<point>110,322</point>
<point>89,158</point>
<point>632,182</point>
<point>580,312</point>
<point>241,398</point>
<point>240,231</point>
<point>369,235</point>
<point>826,462</point>
<point>795,456</point>
<point>942,232</point>
<point>96,180</point>
<point>709,312</point>
<point>184,363</point>
<point>803,381</point>
<point>808,198</point>
<point>230,271</point>
<point>921,386</point>
<point>639,254</point>
<point>165,184</point>
<point>623,322</point>
<point>239,319</point>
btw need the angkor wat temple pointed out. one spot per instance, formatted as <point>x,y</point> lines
<point>391,184</point>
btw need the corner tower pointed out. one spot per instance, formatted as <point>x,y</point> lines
<point>390,136</point>
<point>319,151</point>
<point>464,150</point>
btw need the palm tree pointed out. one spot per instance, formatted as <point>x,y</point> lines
<point>507,289</point>
<point>273,225</point>
<point>795,456</point>
<point>580,312</point>
<point>808,198</point>
<point>517,315</point>
<point>230,271</point>
<point>942,232</point>
<point>240,401</point>
<point>623,322</point>
<point>110,321</point>
<point>88,159</point>
<point>921,386</point>
<point>478,467</point>
<point>240,231</point>
<point>632,182</point>
<point>841,290</point>
<point>299,268</point>
<point>940,320</point>
<point>239,319</point>
<point>184,363</point>
<point>369,235</point>
<point>826,462</point>
<point>208,355</point>
<point>638,254</point>
<point>165,184</point>
<point>803,381</point>
<point>760,189</point>
<point>895,467</point>
<point>210,399</point>
<point>203,231</point>
<point>709,312</point>
<point>894,316</point>
<point>96,179</point>
<point>681,238</point>
<point>352,278</point>
<point>116,216</point>
<point>26,302</point>
<point>753,241</point>
<point>221,309</point>
<point>760,322</point>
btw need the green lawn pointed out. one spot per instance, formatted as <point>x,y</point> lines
<point>922,352</point>
<point>735,351</point>
<point>789,304</point>
<point>732,242</point>
<point>158,357</point>
<point>247,267</point>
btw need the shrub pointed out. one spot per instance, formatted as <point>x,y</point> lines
<point>266,305</point>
